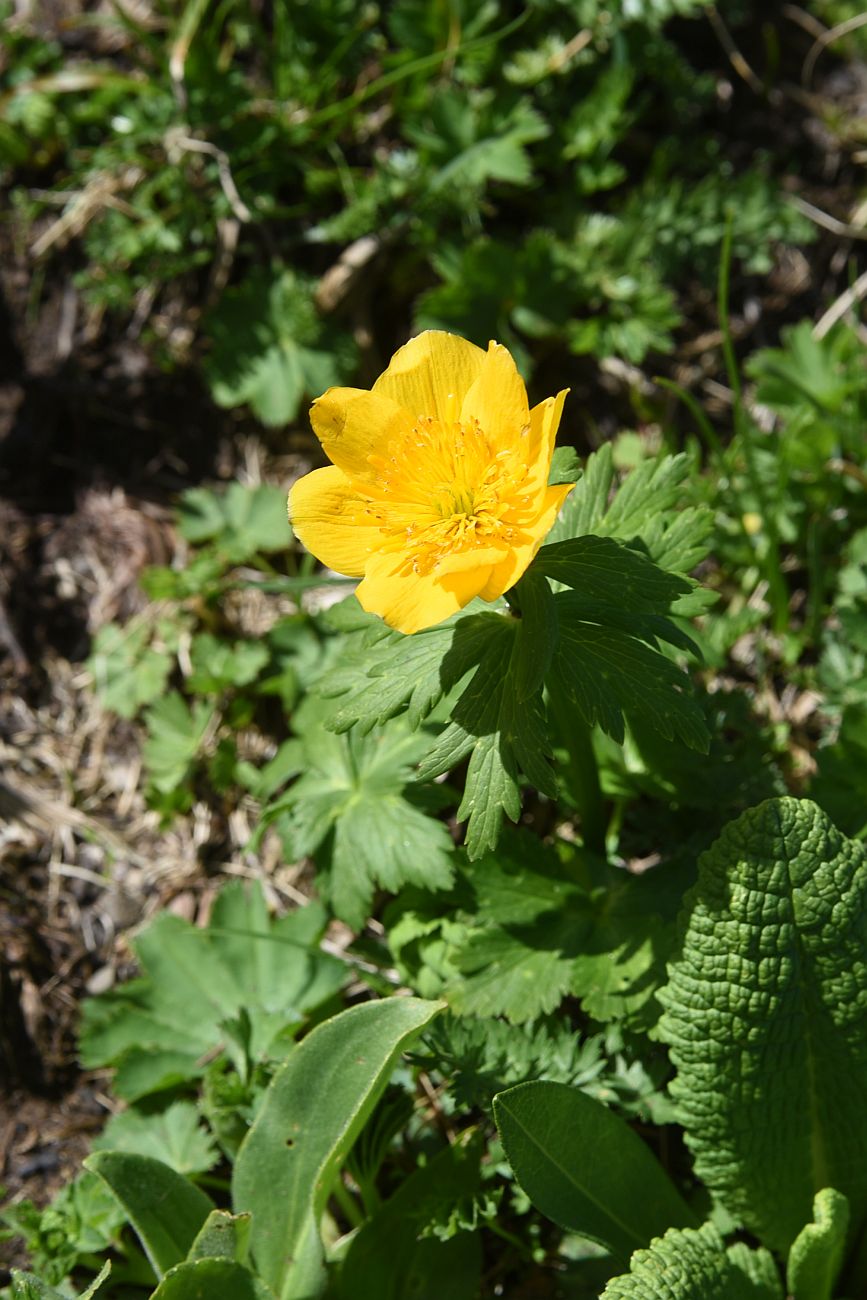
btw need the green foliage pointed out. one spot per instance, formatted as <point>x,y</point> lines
<point>521,932</point>
<point>764,1014</point>
<point>25,1286</point>
<point>287,1165</point>
<point>423,131</point>
<point>596,647</point>
<point>398,1252</point>
<point>817,1252</point>
<point>131,665</point>
<point>688,1262</point>
<point>239,523</point>
<point>243,983</point>
<point>270,349</point>
<point>166,1210</point>
<point>583,1167</point>
<point>175,1136</point>
<point>218,1279</point>
<point>354,801</point>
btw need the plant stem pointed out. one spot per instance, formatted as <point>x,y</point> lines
<point>745,429</point>
<point>580,772</point>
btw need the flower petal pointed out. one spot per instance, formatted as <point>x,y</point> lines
<point>507,573</point>
<point>411,601</point>
<point>429,370</point>
<point>544,423</point>
<point>353,424</point>
<point>325,512</point>
<point>498,399</point>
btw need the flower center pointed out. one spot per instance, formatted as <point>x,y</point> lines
<point>442,488</point>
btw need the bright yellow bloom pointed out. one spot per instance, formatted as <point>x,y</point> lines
<point>438,487</point>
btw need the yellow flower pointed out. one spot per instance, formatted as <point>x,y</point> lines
<point>438,487</point>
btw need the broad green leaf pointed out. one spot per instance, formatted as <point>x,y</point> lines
<point>241,521</point>
<point>211,1279</point>
<point>689,1263</point>
<point>158,1029</point>
<point>26,1286</point>
<point>817,1252</point>
<point>766,1018</point>
<point>166,1210</point>
<point>607,675</point>
<point>271,348</point>
<point>565,466</point>
<point>643,512</point>
<point>584,1167</point>
<point>221,665</point>
<point>175,736</point>
<point>128,671</point>
<point>223,1236</point>
<point>352,808</point>
<point>288,1162</point>
<point>395,1256</point>
<point>175,1136</point>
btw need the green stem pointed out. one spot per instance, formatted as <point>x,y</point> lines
<point>709,432</point>
<point>745,429</point>
<point>349,1206</point>
<point>580,772</point>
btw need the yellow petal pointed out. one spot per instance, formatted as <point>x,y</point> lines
<point>325,512</point>
<point>427,372</point>
<point>411,601</point>
<point>475,557</point>
<point>498,399</point>
<point>507,573</point>
<point>544,423</point>
<point>353,424</point>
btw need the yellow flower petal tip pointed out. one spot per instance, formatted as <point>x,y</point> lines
<point>438,489</point>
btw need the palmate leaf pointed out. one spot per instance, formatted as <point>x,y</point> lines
<point>270,348</point>
<point>159,1029</point>
<point>643,513</point>
<point>765,1016</point>
<point>519,932</point>
<point>596,647</point>
<point>176,1136</point>
<point>351,808</point>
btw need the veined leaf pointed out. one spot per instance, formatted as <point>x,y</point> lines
<point>687,1263</point>
<point>351,808</point>
<point>817,1252</point>
<point>158,1029</point>
<point>175,1136</point>
<point>288,1162</point>
<point>26,1286</point>
<point>766,1017</point>
<point>584,1167</point>
<point>166,1210</point>
<point>241,522</point>
<point>642,512</point>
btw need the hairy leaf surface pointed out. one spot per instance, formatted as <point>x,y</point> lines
<point>687,1263</point>
<point>766,1017</point>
